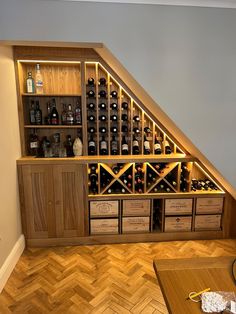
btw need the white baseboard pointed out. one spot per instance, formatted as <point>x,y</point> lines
<point>10,262</point>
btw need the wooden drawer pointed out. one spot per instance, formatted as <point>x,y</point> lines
<point>207,222</point>
<point>104,226</point>
<point>209,205</point>
<point>136,207</point>
<point>104,208</point>
<point>178,206</point>
<point>180,223</point>
<point>135,224</point>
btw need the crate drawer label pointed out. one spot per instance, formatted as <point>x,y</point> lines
<point>103,226</point>
<point>136,207</point>
<point>104,208</point>
<point>207,222</point>
<point>178,223</point>
<point>212,205</point>
<point>178,206</point>
<point>135,224</point>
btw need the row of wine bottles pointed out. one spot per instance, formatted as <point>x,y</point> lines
<point>68,116</point>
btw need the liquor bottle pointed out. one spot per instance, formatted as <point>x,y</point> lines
<point>33,144</point>
<point>78,114</point>
<point>167,147</point>
<point>30,88</point>
<point>146,145</point>
<point>114,117</point>
<point>91,146</point>
<point>124,146</point>
<point>102,106</point>
<point>147,130</point>
<point>54,118</point>
<point>63,114</point>
<point>91,129</point>
<point>32,113</point>
<point>114,146</point>
<point>38,114</point>
<point>69,116</point>
<point>91,81</point>
<point>136,130</point>
<point>157,146</point>
<point>124,128</point>
<point>102,81</point>
<point>136,119</point>
<point>47,119</point>
<point>102,94</point>
<point>56,145</point>
<point>114,129</point>
<point>114,94</point>
<point>102,118</point>
<point>114,106</point>
<point>91,118</point>
<point>91,106</point>
<point>91,94</point>
<point>135,146</point>
<point>102,130</point>
<point>124,105</point>
<point>69,146</point>
<point>38,80</point>
<point>45,145</point>
<point>103,146</point>
<point>124,117</point>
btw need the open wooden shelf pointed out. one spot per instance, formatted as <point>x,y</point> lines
<point>59,126</point>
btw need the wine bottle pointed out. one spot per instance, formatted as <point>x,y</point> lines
<point>91,94</point>
<point>63,114</point>
<point>91,130</point>
<point>103,146</point>
<point>33,144</point>
<point>124,128</point>
<point>91,118</point>
<point>47,118</point>
<point>114,106</point>
<point>102,117</point>
<point>91,81</point>
<point>114,129</point>
<point>102,81</point>
<point>91,106</point>
<point>147,130</point>
<point>32,113</point>
<point>30,88</point>
<point>136,130</point>
<point>114,94</point>
<point>114,146</point>
<point>146,145</point>
<point>103,130</point>
<point>102,106</point>
<point>124,105</point>
<point>78,114</point>
<point>135,146</point>
<point>136,119</point>
<point>167,147</point>
<point>114,117</point>
<point>69,116</point>
<point>38,114</point>
<point>54,114</point>
<point>91,146</point>
<point>102,94</point>
<point>124,117</point>
<point>115,168</point>
<point>38,80</point>
<point>124,146</point>
<point>69,146</point>
<point>157,146</point>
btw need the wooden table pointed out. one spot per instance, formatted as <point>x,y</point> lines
<point>178,277</point>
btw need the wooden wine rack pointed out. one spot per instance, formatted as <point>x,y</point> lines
<point>57,204</point>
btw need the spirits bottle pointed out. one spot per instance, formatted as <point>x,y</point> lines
<point>69,146</point>
<point>69,116</point>
<point>33,144</point>
<point>103,146</point>
<point>114,146</point>
<point>38,114</point>
<point>124,146</point>
<point>157,146</point>
<point>146,145</point>
<point>56,145</point>
<point>32,113</point>
<point>38,80</point>
<point>54,118</point>
<point>91,146</point>
<point>63,114</point>
<point>135,146</point>
<point>47,119</point>
<point>30,88</point>
<point>78,114</point>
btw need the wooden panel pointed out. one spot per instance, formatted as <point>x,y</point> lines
<point>136,207</point>
<point>104,208</point>
<point>207,222</point>
<point>178,206</point>
<point>69,201</point>
<point>38,199</point>
<point>135,224</point>
<point>104,226</point>
<point>209,205</point>
<point>176,224</point>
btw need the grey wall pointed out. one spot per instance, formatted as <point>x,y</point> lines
<point>185,58</point>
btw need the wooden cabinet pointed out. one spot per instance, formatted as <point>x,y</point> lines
<point>54,200</point>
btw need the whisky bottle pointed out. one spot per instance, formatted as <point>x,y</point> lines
<point>38,114</point>
<point>54,118</point>
<point>30,88</point>
<point>38,80</point>
<point>91,146</point>
<point>32,113</point>
<point>69,116</point>
<point>78,114</point>
<point>103,146</point>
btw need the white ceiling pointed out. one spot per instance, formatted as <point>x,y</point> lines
<point>197,3</point>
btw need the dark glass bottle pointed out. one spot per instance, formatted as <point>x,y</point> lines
<point>91,94</point>
<point>102,94</point>
<point>124,117</point>
<point>102,130</point>
<point>167,147</point>
<point>124,146</point>
<point>114,117</point>
<point>102,118</point>
<point>135,146</point>
<point>157,146</point>
<point>91,146</point>
<point>91,106</point>
<point>124,128</point>
<point>63,114</point>
<point>69,146</point>
<point>91,129</point>
<point>32,113</point>
<point>91,81</point>
<point>146,145</point>
<point>147,130</point>
<point>38,114</point>
<point>114,94</point>
<point>54,118</point>
<point>102,106</point>
<point>136,119</point>
<point>114,129</point>
<point>69,116</point>
<point>103,146</point>
<point>115,168</point>
<point>91,118</point>
<point>78,114</point>
<point>102,81</point>
<point>33,144</point>
<point>114,146</point>
<point>124,105</point>
<point>136,130</point>
<point>114,106</point>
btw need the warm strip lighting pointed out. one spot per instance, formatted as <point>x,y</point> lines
<point>197,164</point>
<point>48,61</point>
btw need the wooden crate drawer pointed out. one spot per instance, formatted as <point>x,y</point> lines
<point>180,223</point>
<point>104,208</point>
<point>207,222</point>
<point>135,224</point>
<point>104,226</point>
<point>178,206</point>
<point>136,207</point>
<point>209,205</point>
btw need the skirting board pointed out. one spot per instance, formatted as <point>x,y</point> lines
<point>10,262</point>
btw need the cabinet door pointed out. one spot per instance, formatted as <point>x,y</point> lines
<point>38,208</point>
<point>70,199</point>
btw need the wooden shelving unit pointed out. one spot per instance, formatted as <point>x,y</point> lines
<point>59,205</point>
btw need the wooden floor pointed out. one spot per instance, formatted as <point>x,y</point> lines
<point>105,279</point>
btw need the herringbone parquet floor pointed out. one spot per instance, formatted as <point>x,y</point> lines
<point>105,279</point>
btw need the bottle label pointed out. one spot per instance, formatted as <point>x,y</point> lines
<point>167,143</point>
<point>135,143</point>
<point>114,146</point>
<point>33,144</point>
<point>91,144</point>
<point>146,145</point>
<point>157,146</point>
<point>29,86</point>
<point>39,83</point>
<point>125,147</point>
<point>103,145</point>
